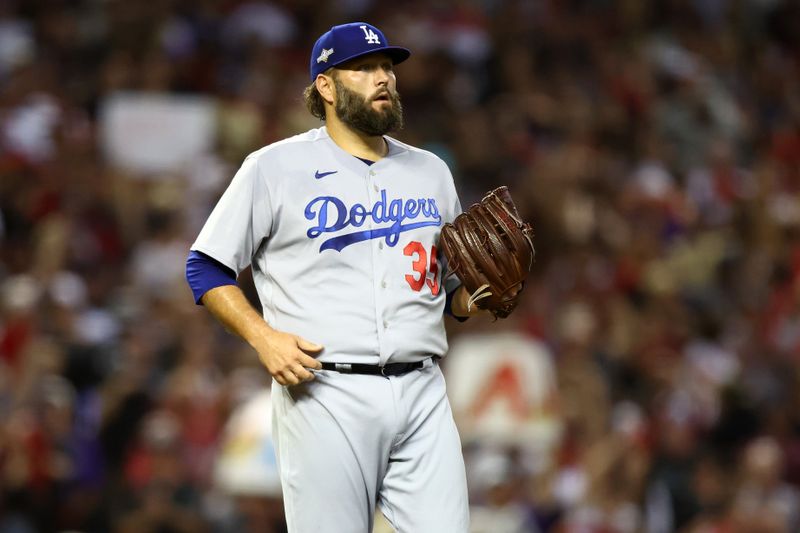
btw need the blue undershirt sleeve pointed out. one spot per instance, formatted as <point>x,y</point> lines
<point>204,273</point>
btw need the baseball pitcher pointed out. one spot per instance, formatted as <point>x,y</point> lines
<point>342,226</point>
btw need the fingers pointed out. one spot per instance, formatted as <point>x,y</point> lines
<point>302,374</point>
<point>308,346</point>
<point>286,378</point>
<point>309,362</point>
<point>295,370</point>
<point>293,375</point>
<point>288,359</point>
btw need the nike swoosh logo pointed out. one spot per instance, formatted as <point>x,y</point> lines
<point>319,174</point>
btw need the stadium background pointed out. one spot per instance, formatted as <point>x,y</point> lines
<point>649,380</point>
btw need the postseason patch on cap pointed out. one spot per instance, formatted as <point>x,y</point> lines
<point>324,55</point>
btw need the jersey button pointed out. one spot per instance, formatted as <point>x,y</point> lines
<point>371,172</point>
<point>383,284</point>
<point>375,187</point>
<point>385,324</point>
<point>380,245</point>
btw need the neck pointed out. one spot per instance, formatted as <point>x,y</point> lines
<point>372,147</point>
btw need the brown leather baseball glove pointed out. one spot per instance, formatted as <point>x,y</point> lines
<point>490,249</point>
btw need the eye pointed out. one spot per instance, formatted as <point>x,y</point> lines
<point>364,67</point>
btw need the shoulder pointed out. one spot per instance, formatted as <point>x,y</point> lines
<point>422,161</point>
<point>283,150</point>
<point>414,151</point>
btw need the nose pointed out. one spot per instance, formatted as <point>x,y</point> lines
<point>381,76</point>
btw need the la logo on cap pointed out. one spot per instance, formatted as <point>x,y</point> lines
<point>370,36</point>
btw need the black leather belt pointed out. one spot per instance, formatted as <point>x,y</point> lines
<point>392,369</point>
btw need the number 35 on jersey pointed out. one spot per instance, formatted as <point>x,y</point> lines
<point>425,273</point>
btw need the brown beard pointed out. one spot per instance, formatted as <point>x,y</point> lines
<point>356,111</point>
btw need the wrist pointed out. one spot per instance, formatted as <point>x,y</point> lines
<point>259,334</point>
<point>459,305</point>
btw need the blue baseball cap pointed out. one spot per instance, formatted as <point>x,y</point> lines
<point>347,41</point>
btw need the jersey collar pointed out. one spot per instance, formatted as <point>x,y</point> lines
<point>395,147</point>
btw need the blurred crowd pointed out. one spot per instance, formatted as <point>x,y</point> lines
<point>654,145</point>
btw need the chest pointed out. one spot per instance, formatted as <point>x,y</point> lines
<point>336,209</point>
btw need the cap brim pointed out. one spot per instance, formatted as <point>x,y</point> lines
<point>398,54</point>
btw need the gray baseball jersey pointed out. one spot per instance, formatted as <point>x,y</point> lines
<point>343,254</point>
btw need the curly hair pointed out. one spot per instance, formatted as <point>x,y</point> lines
<point>314,101</point>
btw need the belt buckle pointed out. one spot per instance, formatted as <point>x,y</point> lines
<point>383,371</point>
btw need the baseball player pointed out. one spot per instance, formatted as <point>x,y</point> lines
<point>340,225</point>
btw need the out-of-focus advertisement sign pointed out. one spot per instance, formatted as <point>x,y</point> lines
<point>156,133</point>
<point>502,389</point>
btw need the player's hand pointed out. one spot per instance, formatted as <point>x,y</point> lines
<point>287,358</point>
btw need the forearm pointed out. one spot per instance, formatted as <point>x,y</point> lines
<point>231,308</point>
<point>459,304</point>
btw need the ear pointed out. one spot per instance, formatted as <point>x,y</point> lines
<point>326,88</point>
